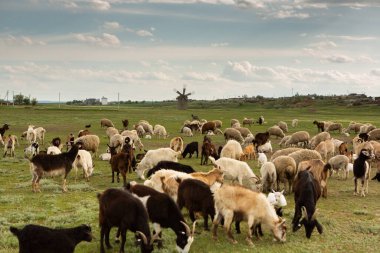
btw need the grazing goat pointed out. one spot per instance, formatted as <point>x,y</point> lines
<point>176,144</point>
<point>169,165</point>
<point>196,196</point>
<point>320,126</point>
<point>4,128</point>
<point>319,170</point>
<point>190,149</point>
<point>125,123</point>
<point>36,238</point>
<point>164,213</point>
<point>118,208</point>
<point>307,191</point>
<point>249,205</point>
<point>260,139</point>
<point>52,165</point>
<point>362,171</point>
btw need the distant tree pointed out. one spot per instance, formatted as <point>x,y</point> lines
<point>26,100</point>
<point>34,101</point>
<point>18,99</point>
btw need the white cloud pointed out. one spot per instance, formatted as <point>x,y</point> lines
<point>348,37</point>
<point>144,33</point>
<point>196,76</point>
<point>106,40</point>
<point>102,5</point>
<point>338,59</point>
<point>221,44</point>
<point>21,40</point>
<point>112,25</point>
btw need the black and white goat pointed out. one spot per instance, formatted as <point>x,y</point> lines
<point>52,165</point>
<point>118,208</point>
<point>163,212</point>
<point>362,171</point>
<point>169,165</point>
<point>36,238</point>
<point>32,150</point>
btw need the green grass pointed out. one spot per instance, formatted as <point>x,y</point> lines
<point>351,223</point>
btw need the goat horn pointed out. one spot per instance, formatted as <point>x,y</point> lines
<point>304,213</point>
<point>188,231</point>
<point>192,233</point>
<point>143,237</point>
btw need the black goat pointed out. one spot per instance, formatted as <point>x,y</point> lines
<point>3,129</point>
<point>196,196</point>
<point>87,126</point>
<point>125,123</point>
<point>164,212</point>
<point>52,165</point>
<point>119,208</point>
<point>320,125</point>
<point>35,238</point>
<point>260,139</point>
<point>169,165</point>
<point>364,136</point>
<point>307,191</point>
<point>190,149</point>
<point>56,142</point>
<point>361,170</point>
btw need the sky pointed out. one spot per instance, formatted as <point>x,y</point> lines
<point>147,49</point>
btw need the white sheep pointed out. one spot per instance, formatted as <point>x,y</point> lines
<point>53,150</point>
<point>83,160</point>
<point>234,121</point>
<point>232,133</point>
<point>89,142</point>
<point>374,135</point>
<point>140,130</point>
<point>233,150</point>
<point>148,128</point>
<point>268,176</point>
<point>236,170</point>
<point>304,155</point>
<point>111,131</point>
<point>261,158</point>
<point>152,157</point>
<point>160,131</point>
<point>318,138</point>
<point>277,199</point>
<point>148,136</point>
<point>187,131</point>
<point>338,163</point>
<point>294,122</point>
<point>236,125</point>
<point>265,148</point>
<point>286,169</point>
<point>245,132</point>
<point>298,137</point>
<point>276,131</point>
<point>105,156</point>
<point>285,151</point>
<point>284,140</point>
<point>283,125</point>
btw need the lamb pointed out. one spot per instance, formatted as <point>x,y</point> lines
<point>276,131</point>
<point>261,158</point>
<point>89,142</point>
<point>339,162</point>
<point>111,131</point>
<point>326,149</point>
<point>187,131</point>
<point>234,121</point>
<point>265,148</point>
<point>248,122</point>
<point>152,157</point>
<point>245,132</point>
<point>106,123</point>
<point>319,170</point>
<point>232,150</point>
<point>334,127</point>
<point>252,206</point>
<point>190,149</point>
<point>285,151</point>
<point>36,238</point>
<point>298,137</point>
<point>286,169</point>
<point>176,144</point>
<point>84,160</point>
<point>268,176</point>
<point>53,150</point>
<point>294,122</point>
<point>374,135</point>
<point>160,131</point>
<point>236,170</point>
<point>362,171</point>
<point>52,165</point>
<point>304,155</point>
<point>283,126</point>
<point>323,136</point>
<point>232,133</point>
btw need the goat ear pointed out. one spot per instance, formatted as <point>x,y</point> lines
<point>282,192</point>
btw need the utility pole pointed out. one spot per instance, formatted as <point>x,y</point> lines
<point>59,99</point>
<point>118,100</point>
<point>13,94</point>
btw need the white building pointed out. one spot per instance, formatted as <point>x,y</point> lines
<point>104,101</point>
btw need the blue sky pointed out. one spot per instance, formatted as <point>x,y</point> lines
<point>143,49</point>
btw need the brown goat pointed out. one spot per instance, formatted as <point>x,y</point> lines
<point>209,178</point>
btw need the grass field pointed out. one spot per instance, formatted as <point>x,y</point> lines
<point>351,223</point>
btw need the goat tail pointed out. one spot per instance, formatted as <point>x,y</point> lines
<point>212,159</point>
<point>14,231</point>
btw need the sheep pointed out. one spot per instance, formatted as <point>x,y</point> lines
<point>265,148</point>
<point>261,158</point>
<point>89,142</point>
<point>134,138</point>
<point>245,132</point>
<point>326,149</point>
<point>339,162</point>
<point>106,123</point>
<point>374,135</point>
<point>366,128</point>
<point>176,144</point>
<point>233,150</point>
<point>160,131</point>
<point>148,128</point>
<point>232,133</point>
<point>187,131</point>
<point>248,140</point>
<point>218,123</point>
<point>208,126</point>
<point>294,123</point>
<point>105,156</point>
<point>119,208</point>
<point>353,126</point>
<point>285,151</point>
<point>84,160</point>
<point>236,170</point>
<point>276,131</point>
<point>334,127</point>
<point>286,169</point>
<point>83,132</point>
<point>52,165</point>
<point>298,137</point>
<point>190,149</point>
<point>268,176</point>
<point>36,238</point>
<point>319,169</point>
<point>53,150</point>
<point>283,126</point>
<point>323,136</point>
<point>234,121</point>
<point>248,122</point>
<point>152,157</point>
<point>236,125</point>
<point>111,131</point>
<point>283,140</point>
<point>196,196</point>
<point>304,155</point>
<point>252,206</point>
<point>362,171</point>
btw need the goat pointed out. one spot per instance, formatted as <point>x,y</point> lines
<point>209,178</point>
<point>9,145</point>
<point>125,123</point>
<point>208,149</point>
<point>118,208</point>
<point>362,171</point>
<point>52,165</point>
<point>171,166</point>
<point>32,150</point>
<point>260,139</point>
<point>320,126</point>
<point>307,191</point>
<point>163,212</point>
<point>319,170</point>
<point>36,238</point>
<point>190,149</point>
<point>4,128</point>
<point>120,163</point>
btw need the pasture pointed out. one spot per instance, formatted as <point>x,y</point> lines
<point>351,223</point>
